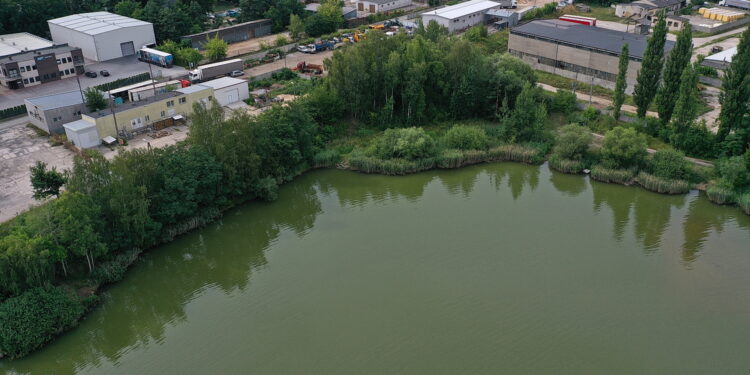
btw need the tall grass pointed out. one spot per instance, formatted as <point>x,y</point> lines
<point>395,167</point>
<point>744,202</point>
<point>719,194</point>
<point>663,185</point>
<point>515,152</point>
<point>326,158</point>
<point>566,165</point>
<point>618,176</point>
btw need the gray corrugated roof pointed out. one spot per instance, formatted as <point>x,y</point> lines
<point>587,36</point>
<point>63,99</point>
<point>130,105</point>
<point>96,22</point>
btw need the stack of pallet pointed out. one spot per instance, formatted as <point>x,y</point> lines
<point>721,14</point>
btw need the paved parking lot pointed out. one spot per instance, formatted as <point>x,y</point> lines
<point>118,68</point>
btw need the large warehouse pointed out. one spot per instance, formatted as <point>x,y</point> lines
<point>461,16</point>
<point>102,35</point>
<point>584,53</point>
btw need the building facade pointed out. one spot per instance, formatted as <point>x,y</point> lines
<point>232,34</point>
<point>102,36</point>
<point>228,90</point>
<point>463,15</point>
<point>51,112</point>
<point>648,8</point>
<point>379,6</point>
<point>27,60</point>
<point>584,53</point>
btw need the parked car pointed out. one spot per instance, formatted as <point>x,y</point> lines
<point>236,73</point>
<point>717,49</point>
<point>91,74</point>
<point>104,73</point>
<point>305,49</point>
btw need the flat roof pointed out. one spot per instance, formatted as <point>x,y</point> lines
<point>213,31</point>
<point>462,9</point>
<point>79,125</point>
<point>63,99</point>
<point>20,42</point>
<point>587,36</point>
<point>130,105</point>
<point>724,56</point>
<point>193,88</point>
<point>96,22</point>
<point>223,82</point>
<point>28,55</point>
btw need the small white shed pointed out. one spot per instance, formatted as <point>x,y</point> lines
<point>229,90</point>
<point>82,133</point>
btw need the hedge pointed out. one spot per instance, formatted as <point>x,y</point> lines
<point>122,82</point>
<point>12,111</point>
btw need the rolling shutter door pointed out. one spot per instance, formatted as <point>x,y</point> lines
<point>127,48</point>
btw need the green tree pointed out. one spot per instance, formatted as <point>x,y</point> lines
<point>526,122</point>
<point>669,164</point>
<point>466,138</point>
<point>686,105</point>
<point>735,97</point>
<point>188,57</point>
<point>408,143</point>
<point>678,59</point>
<point>572,142</point>
<point>95,100</point>
<point>296,27</point>
<point>81,224</point>
<point>281,11</point>
<point>253,9</point>
<point>621,84</point>
<point>624,148</point>
<point>647,81</point>
<point>129,8</point>
<point>216,48</point>
<point>45,182</point>
<point>330,11</point>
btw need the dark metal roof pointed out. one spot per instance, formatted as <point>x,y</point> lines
<point>130,105</point>
<point>586,36</point>
<point>29,55</point>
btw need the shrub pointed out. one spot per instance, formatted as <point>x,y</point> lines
<point>516,152</point>
<point>327,158</point>
<point>669,164</point>
<point>719,194</point>
<point>623,148</point>
<point>466,138</point>
<point>450,159</point>
<point>284,74</point>
<point>733,172</point>
<point>619,176</point>
<point>744,202</point>
<point>564,101</point>
<point>367,164</point>
<point>572,142</point>
<point>267,189</point>
<point>663,185</point>
<point>566,165</point>
<point>34,318</point>
<point>409,143</point>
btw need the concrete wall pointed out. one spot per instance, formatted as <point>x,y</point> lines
<point>232,34</point>
<point>45,119</point>
<point>722,27</point>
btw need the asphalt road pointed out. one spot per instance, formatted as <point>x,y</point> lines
<point>118,68</point>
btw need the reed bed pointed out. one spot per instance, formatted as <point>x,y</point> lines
<point>719,194</point>
<point>393,167</point>
<point>327,158</point>
<point>662,185</point>
<point>744,202</point>
<point>618,176</point>
<point>514,152</point>
<point>566,165</point>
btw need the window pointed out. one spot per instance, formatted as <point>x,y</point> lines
<point>46,76</point>
<point>54,74</point>
<point>37,78</point>
<point>23,69</point>
<point>28,68</point>
<point>183,100</point>
<point>170,103</point>
<point>26,81</point>
<point>33,67</point>
<point>70,59</point>
<point>163,113</point>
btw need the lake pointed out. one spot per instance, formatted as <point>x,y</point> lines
<point>492,269</point>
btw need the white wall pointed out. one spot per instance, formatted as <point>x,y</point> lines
<point>104,46</point>
<point>392,4</point>
<point>86,138</point>
<point>232,94</point>
<point>74,38</point>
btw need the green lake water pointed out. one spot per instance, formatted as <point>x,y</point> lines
<point>491,269</point>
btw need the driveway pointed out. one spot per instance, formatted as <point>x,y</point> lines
<point>119,68</point>
<point>290,61</point>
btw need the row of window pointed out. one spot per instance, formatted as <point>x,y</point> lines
<point>58,119</point>
<point>576,46</point>
<point>463,19</point>
<point>64,60</point>
<point>568,66</point>
<point>63,73</point>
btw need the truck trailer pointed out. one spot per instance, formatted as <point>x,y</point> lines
<point>155,57</point>
<point>742,4</point>
<point>588,21</point>
<point>219,69</point>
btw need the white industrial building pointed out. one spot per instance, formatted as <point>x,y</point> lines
<point>461,16</point>
<point>102,35</point>
<point>228,90</point>
<point>378,6</point>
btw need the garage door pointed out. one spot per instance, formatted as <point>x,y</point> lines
<point>127,48</point>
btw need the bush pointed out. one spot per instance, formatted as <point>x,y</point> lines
<point>12,111</point>
<point>733,172</point>
<point>623,148</point>
<point>719,194</point>
<point>619,176</point>
<point>663,185</point>
<point>566,165</point>
<point>516,152</point>
<point>363,163</point>
<point>669,164</point>
<point>572,142</point>
<point>564,101</point>
<point>466,138</point>
<point>744,202</point>
<point>409,143</point>
<point>34,318</point>
<point>284,74</point>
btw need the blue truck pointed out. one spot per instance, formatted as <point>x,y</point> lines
<point>155,57</point>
